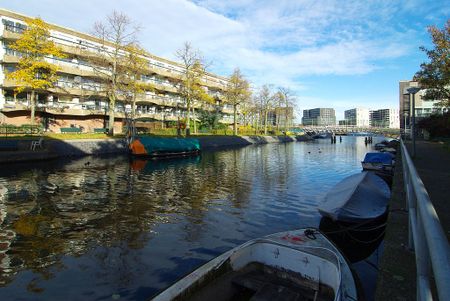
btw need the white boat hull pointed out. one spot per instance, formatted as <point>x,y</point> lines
<point>312,257</point>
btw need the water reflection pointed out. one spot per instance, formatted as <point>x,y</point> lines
<point>102,228</point>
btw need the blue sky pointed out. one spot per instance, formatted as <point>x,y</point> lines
<point>331,53</point>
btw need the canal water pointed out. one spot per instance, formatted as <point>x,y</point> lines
<point>111,229</point>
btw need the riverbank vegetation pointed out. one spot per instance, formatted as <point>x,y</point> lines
<point>434,75</point>
<point>438,126</point>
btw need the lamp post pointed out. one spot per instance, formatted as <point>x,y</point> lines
<point>412,91</point>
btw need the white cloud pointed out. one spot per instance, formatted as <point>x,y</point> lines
<point>276,42</point>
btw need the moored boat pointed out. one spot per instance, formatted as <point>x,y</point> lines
<point>164,147</point>
<point>322,136</point>
<point>303,137</point>
<point>294,265</point>
<point>356,241</point>
<point>381,144</point>
<point>378,161</point>
<point>358,198</point>
<point>388,150</point>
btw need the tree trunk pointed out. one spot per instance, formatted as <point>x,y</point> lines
<point>188,117</point>
<point>277,119</point>
<point>112,104</point>
<point>234,119</point>
<point>133,107</point>
<point>286,114</point>
<point>112,97</point>
<point>193,118</point>
<point>265,121</point>
<point>32,107</point>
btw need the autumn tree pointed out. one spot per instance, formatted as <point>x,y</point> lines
<point>116,35</point>
<point>136,66</point>
<point>266,100</point>
<point>287,99</point>
<point>34,73</point>
<point>435,75</point>
<point>190,86</point>
<point>237,92</point>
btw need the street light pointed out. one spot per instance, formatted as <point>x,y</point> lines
<point>412,91</point>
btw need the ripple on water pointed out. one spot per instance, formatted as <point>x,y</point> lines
<point>130,229</point>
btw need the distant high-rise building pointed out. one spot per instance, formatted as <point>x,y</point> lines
<point>386,118</point>
<point>319,116</point>
<point>357,117</point>
<point>423,108</point>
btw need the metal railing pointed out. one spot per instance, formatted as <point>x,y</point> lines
<point>426,236</point>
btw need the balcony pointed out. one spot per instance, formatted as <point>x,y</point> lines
<point>227,109</point>
<point>7,58</point>
<point>164,87</point>
<point>75,69</point>
<point>9,83</point>
<point>12,107</point>
<point>10,35</point>
<point>57,108</point>
<point>77,50</point>
<point>77,89</point>
<point>167,72</point>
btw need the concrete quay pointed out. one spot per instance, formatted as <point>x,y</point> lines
<point>397,270</point>
<point>85,147</point>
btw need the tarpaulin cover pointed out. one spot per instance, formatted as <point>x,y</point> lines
<point>169,145</point>
<point>384,158</point>
<point>356,198</point>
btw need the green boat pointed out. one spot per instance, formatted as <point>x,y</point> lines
<point>164,147</point>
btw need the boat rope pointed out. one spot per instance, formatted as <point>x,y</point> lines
<point>355,228</point>
<point>310,233</point>
<point>367,242</point>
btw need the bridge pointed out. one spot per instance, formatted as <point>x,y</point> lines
<point>347,129</point>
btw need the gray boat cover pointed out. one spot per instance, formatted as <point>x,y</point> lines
<point>356,198</point>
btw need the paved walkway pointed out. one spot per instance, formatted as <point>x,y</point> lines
<point>397,270</point>
<point>432,162</point>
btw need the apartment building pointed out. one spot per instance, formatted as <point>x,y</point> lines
<point>319,116</point>
<point>423,107</point>
<point>385,118</point>
<point>281,116</point>
<point>78,100</point>
<point>357,117</point>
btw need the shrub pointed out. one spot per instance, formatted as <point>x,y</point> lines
<point>436,125</point>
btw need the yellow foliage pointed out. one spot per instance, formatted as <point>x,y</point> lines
<point>34,45</point>
<point>28,225</point>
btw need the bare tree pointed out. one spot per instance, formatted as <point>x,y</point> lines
<point>190,87</point>
<point>116,35</point>
<point>266,101</point>
<point>288,101</point>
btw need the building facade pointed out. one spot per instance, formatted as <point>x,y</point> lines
<point>357,117</point>
<point>78,99</point>
<point>385,118</point>
<point>319,116</point>
<point>423,108</point>
<point>282,117</point>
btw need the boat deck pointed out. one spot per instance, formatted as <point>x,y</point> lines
<point>257,282</point>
